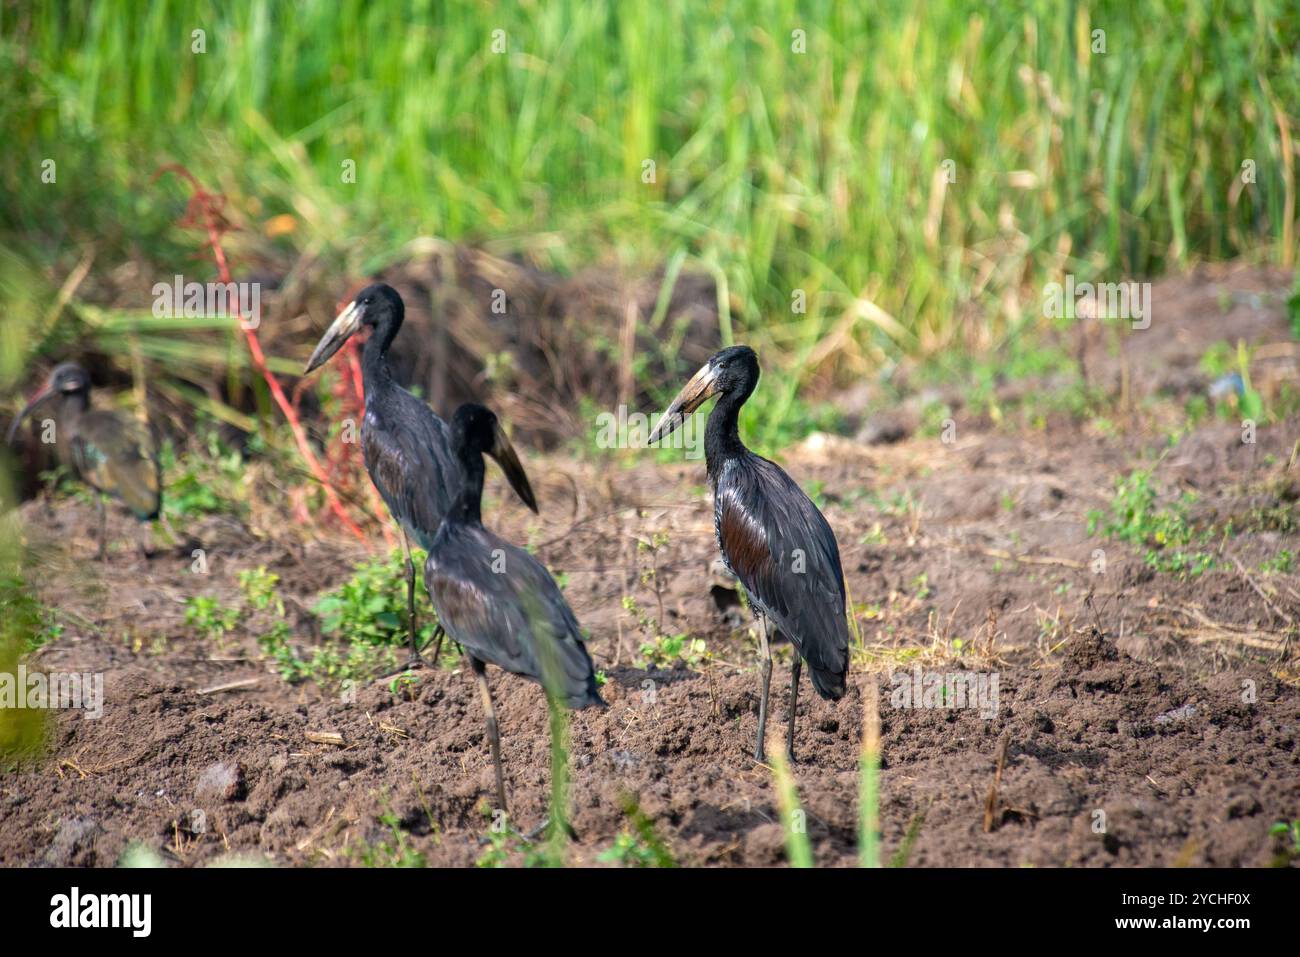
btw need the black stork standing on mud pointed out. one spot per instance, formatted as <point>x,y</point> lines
<point>771,535</point>
<point>495,599</point>
<point>407,447</point>
<point>112,453</point>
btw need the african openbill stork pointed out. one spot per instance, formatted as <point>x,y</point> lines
<point>771,535</point>
<point>114,454</point>
<point>499,602</point>
<point>407,447</point>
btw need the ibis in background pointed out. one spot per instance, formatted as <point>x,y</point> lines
<point>499,602</point>
<point>112,453</point>
<point>407,447</point>
<point>771,535</point>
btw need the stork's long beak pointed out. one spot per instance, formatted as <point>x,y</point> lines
<point>702,385</point>
<point>46,392</point>
<point>505,455</point>
<point>347,323</point>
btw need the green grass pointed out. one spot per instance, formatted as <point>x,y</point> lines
<point>392,850</point>
<point>362,622</point>
<point>775,171</point>
<point>1166,533</point>
<point>798,848</point>
<point>370,607</point>
<point>24,626</point>
<point>640,845</point>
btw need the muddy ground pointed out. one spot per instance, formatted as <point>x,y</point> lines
<point>1152,723</point>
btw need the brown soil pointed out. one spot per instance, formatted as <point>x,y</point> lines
<point>1152,724</point>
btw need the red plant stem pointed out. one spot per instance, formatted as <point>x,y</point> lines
<point>201,201</point>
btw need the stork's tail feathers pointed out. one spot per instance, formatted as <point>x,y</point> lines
<point>590,699</point>
<point>829,684</point>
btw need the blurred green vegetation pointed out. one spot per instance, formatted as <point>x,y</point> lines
<point>24,623</point>
<point>802,151</point>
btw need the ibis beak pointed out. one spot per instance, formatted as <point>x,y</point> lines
<point>702,385</point>
<point>505,455</point>
<point>347,323</point>
<point>46,392</point>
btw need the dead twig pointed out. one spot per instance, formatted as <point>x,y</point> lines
<point>230,686</point>
<point>1260,592</point>
<point>324,737</point>
<point>991,802</point>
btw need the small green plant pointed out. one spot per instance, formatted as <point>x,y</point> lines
<point>660,650</point>
<point>664,650</point>
<point>206,479</point>
<point>213,620</point>
<point>1287,837</point>
<point>1281,564</point>
<point>370,608</point>
<point>641,845</point>
<point>627,851</point>
<point>934,419</point>
<point>876,536</point>
<point>395,850</point>
<point>501,842</point>
<point>904,852</point>
<point>261,589</point>
<point>1136,517</point>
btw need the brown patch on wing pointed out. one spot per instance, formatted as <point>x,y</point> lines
<point>136,482</point>
<point>117,455</point>
<point>745,545</point>
<point>386,467</point>
<point>461,606</point>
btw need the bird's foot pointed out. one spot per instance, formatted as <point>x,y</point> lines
<point>484,840</point>
<point>545,826</point>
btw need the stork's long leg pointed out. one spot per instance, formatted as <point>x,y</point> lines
<point>438,635</point>
<point>766,668</point>
<point>794,699</point>
<point>494,736</point>
<point>103,529</point>
<point>415,660</point>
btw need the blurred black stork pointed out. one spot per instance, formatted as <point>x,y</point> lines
<point>499,602</point>
<point>112,453</point>
<point>771,535</point>
<point>407,447</point>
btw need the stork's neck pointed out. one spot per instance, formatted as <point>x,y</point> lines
<point>466,510</point>
<point>71,406</point>
<point>722,434</point>
<point>374,357</point>
<point>374,362</point>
